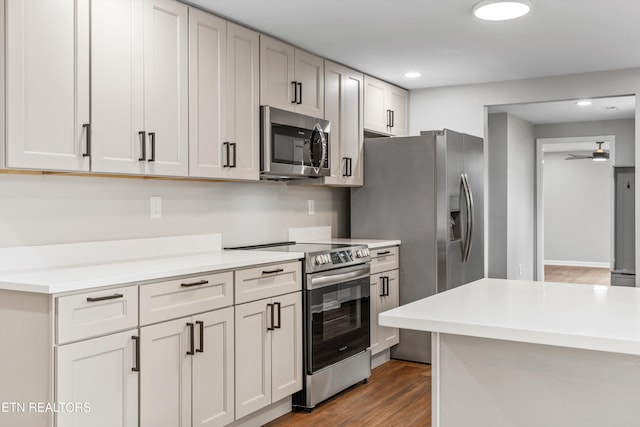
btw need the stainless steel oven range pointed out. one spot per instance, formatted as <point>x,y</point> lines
<point>336,316</point>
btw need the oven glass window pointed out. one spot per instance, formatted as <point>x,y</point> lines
<point>339,322</point>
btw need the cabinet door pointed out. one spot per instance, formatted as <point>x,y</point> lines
<point>344,109</point>
<point>165,374</point>
<point>388,336</point>
<point>276,73</point>
<point>207,92</point>
<point>243,101</point>
<point>286,345</point>
<point>213,369</point>
<point>398,103</point>
<point>166,87</point>
<point>374,310</point>
<point>375,110</point>
<point>117,86</point>
<point>253,356</point>
<point>309,73</point>
<point>98,373</point>
<point>47,77</point>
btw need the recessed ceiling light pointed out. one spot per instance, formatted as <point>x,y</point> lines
<point>501,10</point>
<point>584,103</point>
<point>412,74</point>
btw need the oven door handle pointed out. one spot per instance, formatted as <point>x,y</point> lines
<point>323,280</point>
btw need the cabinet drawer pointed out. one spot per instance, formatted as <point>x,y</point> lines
<point>184,297</point>
<point>384,259</point>
<point>267,281</point>
<point>96,313</point>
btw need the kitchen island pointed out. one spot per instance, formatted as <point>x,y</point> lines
<point>522,353</point>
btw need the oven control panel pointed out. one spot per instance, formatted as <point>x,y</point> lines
<point>338,258</point>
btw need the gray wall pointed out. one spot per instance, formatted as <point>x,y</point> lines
<point>46,209</point>
<point>511,150</point>
<point>521,200</point>
<point>497,146</point>
<point>624,131</point>
<point>577,210</point>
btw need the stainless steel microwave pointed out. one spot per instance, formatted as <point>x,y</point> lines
<point>293,145</point>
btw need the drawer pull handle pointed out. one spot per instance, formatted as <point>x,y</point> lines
<point>201,282</point>
<point>96,299</point>
<point>277,270</point>
<point>201,324</point>
<point>192,345</point>
<point>136,341</point>
<point>384,253</point>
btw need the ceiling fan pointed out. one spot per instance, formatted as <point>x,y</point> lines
<point>597,156</point>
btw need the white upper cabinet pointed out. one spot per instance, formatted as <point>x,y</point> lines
<point>47,84</point>
<point>344,109</point>
<point>139,87</point>
<point>386,108</point>
<point>207,93</point>
<point>166,87</point>
<point>117,92</point>
<point>224,104</point>
<point>243,102</point>
<point>290,78</point>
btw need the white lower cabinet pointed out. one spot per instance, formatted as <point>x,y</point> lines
<point>98,379</point>
<point>268,351</point>
<point>186,371</point>
<point>384,296</point>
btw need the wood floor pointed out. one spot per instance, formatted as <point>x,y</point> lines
<point>586,275</point>
<point>398,394</point>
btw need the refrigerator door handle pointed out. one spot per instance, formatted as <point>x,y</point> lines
<point>470,214</point>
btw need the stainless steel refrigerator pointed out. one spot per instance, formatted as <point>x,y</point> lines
<point>426,190</point>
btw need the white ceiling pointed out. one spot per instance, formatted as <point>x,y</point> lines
<point>442,40</point>
<point>621,107</point>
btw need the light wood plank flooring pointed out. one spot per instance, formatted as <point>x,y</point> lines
<point>586,275</point>
<point>398,394</point>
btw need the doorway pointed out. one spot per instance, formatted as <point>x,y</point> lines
<point>515,212</point>
<point>574,209</point>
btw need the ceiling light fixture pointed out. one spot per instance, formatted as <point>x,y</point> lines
<point>412,74</point>
<point>600,155</point>
<point>584,103</point>
<point>501,10</point>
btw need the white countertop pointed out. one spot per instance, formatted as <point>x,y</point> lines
<point>80,266</point>
<point>592,317</point>
<point>371,243</point>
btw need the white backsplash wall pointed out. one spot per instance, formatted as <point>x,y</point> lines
<point>48,209</point>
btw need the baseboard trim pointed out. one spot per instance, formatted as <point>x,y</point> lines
<point>577,263</point>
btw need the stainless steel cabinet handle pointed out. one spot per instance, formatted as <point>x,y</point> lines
<point>143,149</point>
<point>87,129</point>
<point>108,297</point>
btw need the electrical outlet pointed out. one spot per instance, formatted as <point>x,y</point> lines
<point>312,207</point>
<point>156,207</point>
